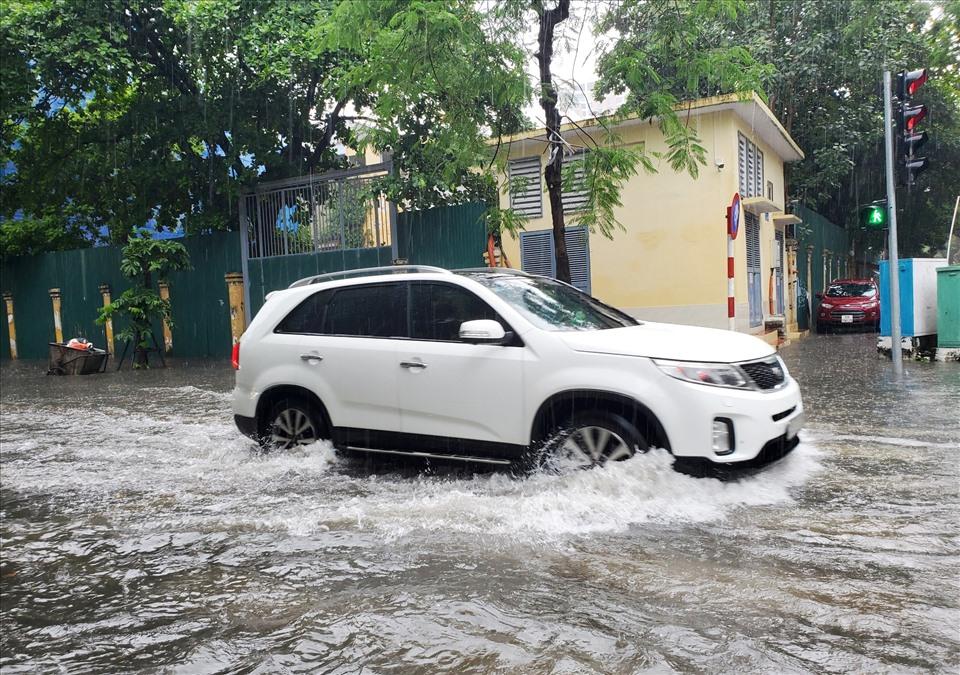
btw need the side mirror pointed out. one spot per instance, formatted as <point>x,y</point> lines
<point>819,296</point>
<point>482,331</point>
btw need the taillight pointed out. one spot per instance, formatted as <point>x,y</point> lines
<point>235,356</point>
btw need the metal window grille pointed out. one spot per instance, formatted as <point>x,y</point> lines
<point>526,195</point>
<point>537,255</point>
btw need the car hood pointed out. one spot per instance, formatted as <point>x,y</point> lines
<point>670,341</point>
<point>849,302</point>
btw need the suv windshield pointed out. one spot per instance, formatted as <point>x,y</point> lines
<point>851,291</point>
<point>551,305</point>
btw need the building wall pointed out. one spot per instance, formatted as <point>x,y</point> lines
<point>669,261</point>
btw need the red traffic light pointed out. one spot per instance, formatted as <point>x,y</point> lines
<point>913,115</point>
<point>909,82</point>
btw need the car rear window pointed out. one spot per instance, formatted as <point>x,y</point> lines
<point>377,310</point>
<point>307,317</point>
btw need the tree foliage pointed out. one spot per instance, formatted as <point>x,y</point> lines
<point>120,112</point>
<point>656,53</point>
<point>144,261</point>
<point>825,61</point>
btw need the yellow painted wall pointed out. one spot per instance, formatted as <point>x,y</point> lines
<point>669,263</point>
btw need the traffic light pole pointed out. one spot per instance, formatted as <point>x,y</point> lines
<point>893,258</point>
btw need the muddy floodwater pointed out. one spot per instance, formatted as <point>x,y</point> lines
<point>141,531</point>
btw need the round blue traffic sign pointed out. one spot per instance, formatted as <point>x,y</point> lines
<point>733,216</point>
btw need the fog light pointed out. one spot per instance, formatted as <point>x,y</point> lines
<point>723,440</point>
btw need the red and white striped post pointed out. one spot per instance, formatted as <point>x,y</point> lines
<point>733,226</point>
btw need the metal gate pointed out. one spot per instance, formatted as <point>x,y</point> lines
<point>778,272</point>
<point>319,223</point>
<point>754,293</point>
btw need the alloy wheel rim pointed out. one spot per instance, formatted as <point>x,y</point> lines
<point>594,446</point>
<point>292,427</point>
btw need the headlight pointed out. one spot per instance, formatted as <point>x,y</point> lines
<point>826,305</point>
<point>714,374</point>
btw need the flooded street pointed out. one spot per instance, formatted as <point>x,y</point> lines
<point>140,530</point>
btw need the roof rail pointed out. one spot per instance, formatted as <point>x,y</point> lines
<point>492,270</point>
<point>369,271</point>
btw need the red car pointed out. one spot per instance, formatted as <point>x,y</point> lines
<point>849,302</point>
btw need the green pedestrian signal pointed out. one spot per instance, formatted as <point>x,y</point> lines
<point>874,216</point>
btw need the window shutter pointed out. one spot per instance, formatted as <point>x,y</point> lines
<point>753,241</point>
<point>751,169</point>
<point>537,255</point>
<point>526,196</point>
<point>742,164</point>
<point>578,251</point>
<point>536,252</point>
<point>758,185</point>
<point>575,198</point>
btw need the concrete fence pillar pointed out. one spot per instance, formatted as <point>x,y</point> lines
<point>57,322</point>
<point>238,319</point>
<point>8,309</point>
<point>108,325</point>
<point>167,335</point>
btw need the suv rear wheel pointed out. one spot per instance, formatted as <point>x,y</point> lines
<point>594,438</point>
<point>293,421</point>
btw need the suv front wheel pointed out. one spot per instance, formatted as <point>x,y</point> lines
<point>293,421</point>
<point>594,438</point>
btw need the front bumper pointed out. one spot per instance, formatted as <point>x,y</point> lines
<point>246,425</point>
<point>764,422</point>
<point>857,317</point>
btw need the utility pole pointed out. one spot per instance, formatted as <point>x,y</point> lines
<point>893,262</point>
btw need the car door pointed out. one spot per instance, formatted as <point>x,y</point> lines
<point>344,341</point>
<point>450,389</point>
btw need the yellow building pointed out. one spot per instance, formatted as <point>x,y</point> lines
<point>670,261</point>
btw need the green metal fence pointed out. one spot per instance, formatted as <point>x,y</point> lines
<point>453,236</point>
<point>447,236</point>
<point>815,236</point>
<point>271,274</point>
<point>198,296</point>
<point>450,236</point>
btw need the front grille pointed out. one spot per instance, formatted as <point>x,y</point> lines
<point>857,316</point>
<point>766,374</point>
<point>776,449</point>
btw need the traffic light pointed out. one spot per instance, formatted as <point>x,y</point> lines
<point>909,138</point>
<point>909,82</point>
<point>874,216</point>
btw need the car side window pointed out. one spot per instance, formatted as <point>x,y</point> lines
<point>438,309</point>
<point>307,317</point>
<point>377,310</point>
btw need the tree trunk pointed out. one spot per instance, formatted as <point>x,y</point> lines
<point>140,355</point>
<point>553,173</point>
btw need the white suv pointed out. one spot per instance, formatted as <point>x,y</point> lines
<point>499,366</point>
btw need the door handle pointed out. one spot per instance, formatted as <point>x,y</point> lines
<point>311,357</point>
<point>413,364</point>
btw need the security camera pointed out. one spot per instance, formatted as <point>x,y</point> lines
<point>719,163</point>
